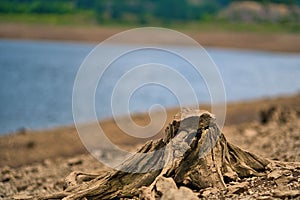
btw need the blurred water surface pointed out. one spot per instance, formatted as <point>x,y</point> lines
<point>36,80</point>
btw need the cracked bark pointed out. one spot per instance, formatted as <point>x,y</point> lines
<point>194,153</point>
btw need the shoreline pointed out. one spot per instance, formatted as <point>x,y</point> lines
<point>33,146</point>
<point>282,42</point>
<point>172,110</point>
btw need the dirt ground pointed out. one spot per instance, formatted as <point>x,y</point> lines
<point>287,42</point>
<point>28,147</point>
<point>36,162</point>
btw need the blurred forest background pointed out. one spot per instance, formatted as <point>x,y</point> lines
<point>258,15</point>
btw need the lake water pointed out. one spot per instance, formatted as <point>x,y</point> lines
<point>37,80</point>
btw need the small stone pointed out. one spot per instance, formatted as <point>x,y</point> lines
<point>47,162</point>
<point>282,181</point>
<point>238,188</point>
<point>275,174</point>
<point>291,179</point>
<point>74,161</point>
<point>287,172</point>
<point>182,193</point>
<point>250,133</point>
<point>163,185</point>
<point>270,166</point>
<point>209,191</point>
<point>286,193</point>
<point>145,192</point>
<point>188,193</point>
<point>6,170</point>
<point>233,183</point>
<point>230,176</point>
<point>264,197</point>
<point>22,197</point>
<point>5,178</point>
<point>205,193</point>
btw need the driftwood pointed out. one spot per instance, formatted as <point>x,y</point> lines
<point>194,154</point>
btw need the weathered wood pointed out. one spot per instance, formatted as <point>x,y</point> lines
<point>194,153</point>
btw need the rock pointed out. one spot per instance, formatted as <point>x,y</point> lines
<point>165,188</point>
<point>282,181</point>
<point>74,161</point>
<point>287,172</point>
<point>6,170</point>
<point>264,198</point>
<point>22,187</point>
<point>22,197</point>
<point>47,162</point>
<point>275,174</point>
<point>230,176</point>
<point>286,193</point>
<point>278,114</point>
<point>237,188</point>
<point>250,132</point>
<point>163,185</point>
<point>208,191</point>
<point>145,193</point>
<point>5,178</point>
<point>30,144</point>
<point>182,193</point>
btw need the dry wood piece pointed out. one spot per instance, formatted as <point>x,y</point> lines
<point>194,153</point>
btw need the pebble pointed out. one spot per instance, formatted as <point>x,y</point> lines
<point>206,192</point>
<point>274,174</point>
<point>238,188</point>
<point>74,161</point>
<point>22,197</point>
<point>179,194</point>
<point>286,193</point>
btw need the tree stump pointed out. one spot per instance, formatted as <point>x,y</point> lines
<point>194,154</point>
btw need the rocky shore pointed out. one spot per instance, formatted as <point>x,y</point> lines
<point>271,130</point>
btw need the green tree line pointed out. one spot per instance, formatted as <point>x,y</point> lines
<point>139,10</point>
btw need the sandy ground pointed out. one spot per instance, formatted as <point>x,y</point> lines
<point>37,162</point>
<point>286,42</point>
<point>28,147</point>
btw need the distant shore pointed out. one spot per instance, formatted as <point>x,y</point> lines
<point>284,42</point>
